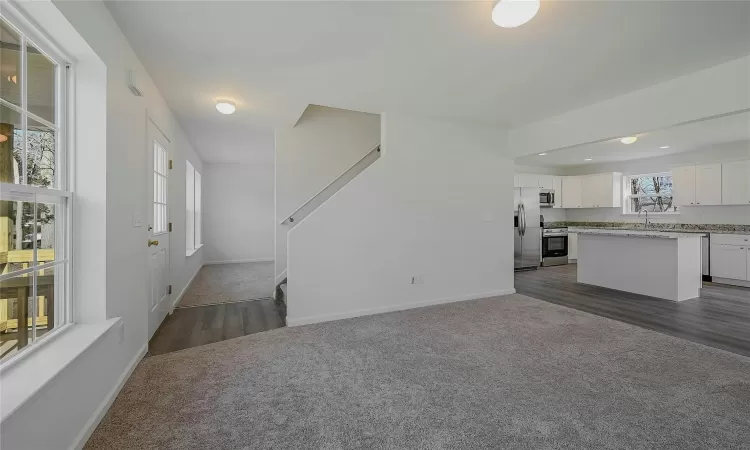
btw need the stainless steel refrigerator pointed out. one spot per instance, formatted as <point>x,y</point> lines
<point>527,232</point>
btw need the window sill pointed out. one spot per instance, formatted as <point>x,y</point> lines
<point>35,369</point>
<point>193,251</point>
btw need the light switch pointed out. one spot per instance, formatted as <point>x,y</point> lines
<point>137,219</point>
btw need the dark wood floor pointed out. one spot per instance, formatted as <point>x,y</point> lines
<point>719,318</point>
<point>200,325</point>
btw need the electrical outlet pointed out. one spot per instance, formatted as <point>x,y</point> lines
<point>121,331</point>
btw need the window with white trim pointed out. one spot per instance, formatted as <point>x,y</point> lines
<point>193,209</point>
<point>35,203</point>
<point>650,192</point>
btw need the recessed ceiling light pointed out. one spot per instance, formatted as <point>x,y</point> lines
<point>664,146</point>
<point>629,139</point>
<point>514,13</point>
<point>542,154</point>
<point>3,138</point>
<point>587,159</point>
<point>225,107</point>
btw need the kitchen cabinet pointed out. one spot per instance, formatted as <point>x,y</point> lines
<point>516,181</point>
<point>557,185</point>
<point>735,183</point>
<point>730,258</point>
<point>529,180</point>
<point>545,181</point>
<point>571,192</point>
<point>572,246</point>
<point>729,261</point>
<point>683,185</point>
<point>602,190</point>
<point>708,184</point>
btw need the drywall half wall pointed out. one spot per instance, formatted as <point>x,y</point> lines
<point>429,222</point>
<point>238,219</point>
<point>323,145</point>
<point>69,406</point>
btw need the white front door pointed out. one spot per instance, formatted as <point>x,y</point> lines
<point>159,304</point>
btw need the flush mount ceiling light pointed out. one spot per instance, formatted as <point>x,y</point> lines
<point>664,146</point>
<point>542,154</point>
<point>225,107</point>
<point>629,139</point>
<point>514,13</point>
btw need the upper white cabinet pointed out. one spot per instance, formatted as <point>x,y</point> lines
<point>708,184</point>
<point>735,186</point>
<point>700,184</point>
<point>572,190</point>
<point>683,185</point>
<point>516,180</point>
<point>557,185</point>
<point>545,181</point>
<point>602,190</point>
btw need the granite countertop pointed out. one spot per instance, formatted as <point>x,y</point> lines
<point>657,227</point>
<point>634,233</point>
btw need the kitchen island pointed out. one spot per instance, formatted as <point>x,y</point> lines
<point>659,264</point>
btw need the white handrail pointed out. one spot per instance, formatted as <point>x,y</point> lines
<point>290,217</point>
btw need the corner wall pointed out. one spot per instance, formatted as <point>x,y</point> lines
<point>238,212</point>
<point>323,145</point>
<point>437,205</point>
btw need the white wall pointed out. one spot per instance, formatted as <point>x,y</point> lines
<point>238,218</point>
<point>68,406</point>
<point>734,214</point>
<point>323,144</point>
<point>436,205</point>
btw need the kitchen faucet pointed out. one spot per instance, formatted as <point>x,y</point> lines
<point>639,215</point>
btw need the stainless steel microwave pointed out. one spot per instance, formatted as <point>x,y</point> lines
<point>547,198</point>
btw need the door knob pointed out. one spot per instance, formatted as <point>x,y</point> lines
<point>150,242</point>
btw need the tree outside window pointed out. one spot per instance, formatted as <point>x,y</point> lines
<point>652,193</point>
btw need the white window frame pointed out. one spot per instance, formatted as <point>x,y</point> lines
<point>626,211</point>
<point>61,194</point>
<point>193,209</point>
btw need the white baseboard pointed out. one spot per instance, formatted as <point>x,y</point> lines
<point>187,285</point>
<point>296,321</point>
<point>238,261</point>
<point>91,425</point>
<point>740,283</point>
<point>280,278</point>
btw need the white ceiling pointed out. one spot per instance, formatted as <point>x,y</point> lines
<point>437,58</point>
<point>683,138</point>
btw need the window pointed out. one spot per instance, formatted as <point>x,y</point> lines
<point>34,200</point>
<point>650,192</point>
<point>193,209</point>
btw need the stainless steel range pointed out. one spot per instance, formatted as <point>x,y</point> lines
<point>554,246</point>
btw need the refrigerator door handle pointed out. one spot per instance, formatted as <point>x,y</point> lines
<point>520,221</point>
<point>522,215</point>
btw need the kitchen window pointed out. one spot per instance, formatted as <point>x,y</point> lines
<point>650,192</point>
<point>35,203</point>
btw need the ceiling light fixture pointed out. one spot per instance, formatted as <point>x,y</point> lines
<point>664,146</point>
<point>225,107</point>
<point>3,138</point>
<point>514,13</point>
<point>629,139</point>
<point>587,159</point>
<point>542,154</point>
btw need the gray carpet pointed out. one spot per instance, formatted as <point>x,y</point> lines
<point>227,283</point>
<point>508,372</point>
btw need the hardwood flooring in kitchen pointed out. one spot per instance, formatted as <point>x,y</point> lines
<point>719,318</point>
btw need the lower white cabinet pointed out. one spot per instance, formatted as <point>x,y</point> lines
<point>572,246</point>
<point>730,257</point>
